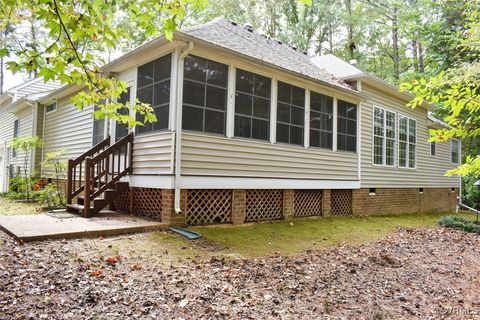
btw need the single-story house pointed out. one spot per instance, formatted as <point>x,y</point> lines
<point>250,129</point>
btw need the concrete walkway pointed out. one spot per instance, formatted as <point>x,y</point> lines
<point>27,228</point>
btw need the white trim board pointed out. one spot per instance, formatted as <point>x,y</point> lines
<point>202,182</point>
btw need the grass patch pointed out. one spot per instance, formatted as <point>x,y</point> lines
<point>462,223</point>
<point>10,207</point>
<point>291,237</point>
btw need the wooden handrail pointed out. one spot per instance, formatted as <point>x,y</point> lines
<point>91,152</point>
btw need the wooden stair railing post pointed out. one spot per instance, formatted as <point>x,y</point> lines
<point>88,170</point>
<point>69,181</point>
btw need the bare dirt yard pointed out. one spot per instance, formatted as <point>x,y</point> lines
<point>422,273</point>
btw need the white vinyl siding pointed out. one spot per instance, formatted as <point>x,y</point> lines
<point>153,153</point>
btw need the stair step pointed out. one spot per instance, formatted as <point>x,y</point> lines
<point>72,208</point>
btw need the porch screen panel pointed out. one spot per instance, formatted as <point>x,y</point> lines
<point>153,87</point>
<point>98,128</point>
<point>121,129</point>
<point>204,95</point>
<point>321,120</point>
<point>252,105</point>
<point>290,113</point>
<point>346,126</point>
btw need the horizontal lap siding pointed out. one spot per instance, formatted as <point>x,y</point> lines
<point>430,170</point>
<point>153,153</point>
<point>68,129</point>
<point>219,156</point>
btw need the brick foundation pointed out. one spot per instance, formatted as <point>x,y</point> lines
<point>160,204</point>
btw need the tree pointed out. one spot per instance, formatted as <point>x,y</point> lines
<point>26,144</point>
<point>54,160</point>
<point>77,34</point>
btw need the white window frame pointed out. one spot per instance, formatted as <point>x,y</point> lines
<point>458,151</point>
<point>384,137</point>
<point>407,159</point>
<point>54,109</point>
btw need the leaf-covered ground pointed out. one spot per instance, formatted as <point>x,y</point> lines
<point>414,273</point>
<point>9,207</point>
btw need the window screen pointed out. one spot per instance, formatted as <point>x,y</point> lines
<point>290,113</point>
<point>121,129</point>
<point>321,120</point>
<point>98,129</point>
<point>346,126</point>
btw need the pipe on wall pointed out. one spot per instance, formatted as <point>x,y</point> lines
<point>178,126</point>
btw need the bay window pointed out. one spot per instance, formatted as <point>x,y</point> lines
<point>252,105</point>
<point>204,95</point>
<point>290,113</point>
<point>321,120</point>
<point>346,126</point>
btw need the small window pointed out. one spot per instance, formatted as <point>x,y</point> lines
<point>346,126</point>
<point>16,132</point>
<point>433,148</point>
<point>290,113</point>
<point>455,151</point>
<point>121,129</point>
<point>321,120</point>
<point>153,87</point>
<point>252,105</point>
<point>98,128</point>
<point>51,108</point>
<point>204,95</point>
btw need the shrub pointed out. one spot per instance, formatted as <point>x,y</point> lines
<point>471,193</point>
<point>460,223</point>
<point>50,196</point>
<point>17,184</point>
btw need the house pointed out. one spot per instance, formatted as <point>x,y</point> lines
<point>21,115</point>
<point>250,129</point>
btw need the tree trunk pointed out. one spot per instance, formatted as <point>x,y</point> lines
<point>421,63</point>
<point>350,43</point>
<point>415,55</point>
<point>395,53</point>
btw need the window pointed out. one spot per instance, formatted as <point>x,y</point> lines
<point>121,129</point>
<point>433,148</point>
<point>290,113</point>
<point>346,126</point>
<point>204,95</point>
<point>252,105</point>
<point>51,108</point>
<point>407,139</point>
<point>321,120</point>
<point>16,132</point>
<point>98,128</point>
<point>455,151</point>
<point>153,87</point>
<point>384,137</point>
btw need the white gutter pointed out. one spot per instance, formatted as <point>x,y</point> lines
<point>178,126</point>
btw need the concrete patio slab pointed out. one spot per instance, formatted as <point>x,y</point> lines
<point>27,228</point>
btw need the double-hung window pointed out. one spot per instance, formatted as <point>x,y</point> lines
<point>204,95</point>
<point>153,87</point>
<point>290,113</point>
<point>407,140</point>
<point>252,105</point>
<point>321,120</point>
<point>346,126</point>
<point>455,151</point>
<point>384,137</point>
<point>121,129</point>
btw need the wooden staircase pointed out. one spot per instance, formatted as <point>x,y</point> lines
<point>94,177</point>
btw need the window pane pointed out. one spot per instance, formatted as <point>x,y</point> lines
<point>402,154</point>
<point>145,95</point>
<point>326,140</point>
<point>162,68</point>
<point>193,93</point>
<point>297,116</point>
<point>296,135</point>
<point>314,138</point>
<point>217,73</point>
<point>378,150</point>
<point>195,68</point>
<point>351,144</point>
<point>298,96</point>
<point>320,102</point>
<point>402,128</point>
<point>351,127</point>
<point>260,129</point>
<point>282,133</point>
<point>242,126</point>
<point>378,118</point>
<point>261,108</point>
<point>390,122</point>
<point>243,104</point>
<point>214,121</point>
<point>162,118</point>
<point>412,134</point>
<point>145,75</point>
<point>411,157</point>
<point>121,129</point>
<point>284,92</point>
<point>315,119</point>
<point>432,148</point>
<point>244,81</point>
<point>390,152</point>
<point>161,93</point>
<point>263,86</point>
<point>216,98</point>
<point>283,113</point>
<point>327,122</point>
<point>192,118</point>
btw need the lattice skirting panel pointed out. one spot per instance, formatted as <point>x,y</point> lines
<point>207,206</point>
<point>341,202</point>
<point>307,203</point>
<point>263,205</point>
<point>147,202</point>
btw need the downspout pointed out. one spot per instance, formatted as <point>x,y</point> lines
<point>178,126</point>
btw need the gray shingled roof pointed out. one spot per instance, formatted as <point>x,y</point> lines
<point>333,64</point>
<point>229,35</point>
